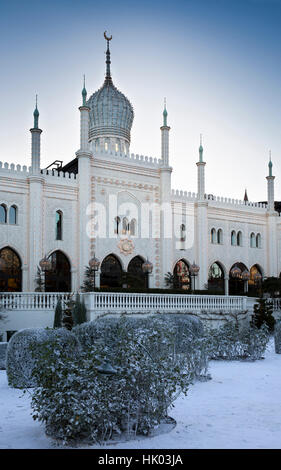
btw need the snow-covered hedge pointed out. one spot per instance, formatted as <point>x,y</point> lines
<point>232,342</point>
<point>27,343</point>
<point>187,331</point>
<point>277,337</point>
<point>74,400</point>
<point>3,352</point>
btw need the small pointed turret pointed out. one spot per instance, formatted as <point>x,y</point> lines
<point>246,196</point>
<point>200,150</point>
<point>165,137</point>
<point>35,142</point>
<point>36,116</point>
<point>270,165</point>
<point>270,186</point>
<point>165,114</point>
<point>84,94</point>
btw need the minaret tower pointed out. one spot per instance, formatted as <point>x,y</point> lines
<point>201,173</point>
<point>202,222</point>
<point>84,156</point>
<point>272,267</point>
<point>35,143</point>
<point>35,205</point>
<point>165,138</point>
<point>165,190</point>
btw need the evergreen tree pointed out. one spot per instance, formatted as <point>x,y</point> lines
<point>263,314</point>
<point>67,320</point>
<point>58,315</point>
<point>89,280</point>
<point>79,312</point>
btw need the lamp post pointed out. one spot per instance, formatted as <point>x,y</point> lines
<point>94,264</point>
<point>193,270</point>
<point>147,269</point>
<point>45,265</point>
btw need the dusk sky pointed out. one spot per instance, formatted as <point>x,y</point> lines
<point>217,62</point>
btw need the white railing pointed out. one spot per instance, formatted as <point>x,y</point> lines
<point>31,300</point>
<point>111,302</point>
<point>144,303</point>
<point>276,304</point>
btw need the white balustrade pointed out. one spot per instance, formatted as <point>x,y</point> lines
<point>117,302</point>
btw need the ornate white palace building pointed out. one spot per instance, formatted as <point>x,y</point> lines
<point>119,207</point>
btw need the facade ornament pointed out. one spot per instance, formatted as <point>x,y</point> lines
<point>126,246</point>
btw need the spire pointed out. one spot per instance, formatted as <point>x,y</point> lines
<point>246,196</point>
<point>108,62</point>
<point>36,116</point>
<point>165,114</point>
<point>84,94</point>
<point>270,165</point>
<point>200,150</point>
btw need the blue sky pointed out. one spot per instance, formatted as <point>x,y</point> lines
<point>218,63</point>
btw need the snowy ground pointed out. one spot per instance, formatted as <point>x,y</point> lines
<point>240,408</point>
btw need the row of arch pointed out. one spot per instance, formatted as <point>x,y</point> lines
<point>236,238</point>
<point>58,279</point>
<point>8,215</point>
<point>217,276</point>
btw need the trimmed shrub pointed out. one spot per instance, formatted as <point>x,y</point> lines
<point>3,353</point>
<point>26,344</point>
<point>277,337</point>
<point>75,401</point>
<point>188,336</point>
<point>230,342</point>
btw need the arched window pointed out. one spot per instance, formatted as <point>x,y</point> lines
<point>239,238</point>
<point>125,225</point>
<point>13,215</point>
<point>181,275</point>
<point>136,277</point>
<point>106,146</point>
<point>58,225</point>
<point>219,237</point>
<point>10,274</point>
<point>233,238</point>
<point>216,278</point>
<point>213,235</point>
<point>258,240</point>
<point>58,278</point>
<point>182,233</point>
<point>253,240</point>
<point>133,227</point>
<point>117,223</point>
<point>111,272</point>
<point>3,214</point>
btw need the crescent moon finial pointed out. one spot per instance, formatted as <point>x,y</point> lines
<point>106,38</point>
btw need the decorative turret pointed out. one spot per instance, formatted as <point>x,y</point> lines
<point>246,199</point>
<point>35,142</point>
<point>201,150</point>
<point>165,137</point>
<point>270,186</point>
<point>201,173</point>
<point>84,94</point>
<point>84,120</point>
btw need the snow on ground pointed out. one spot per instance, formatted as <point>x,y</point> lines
<point>240,408</point>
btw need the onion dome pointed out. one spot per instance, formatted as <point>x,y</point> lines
<point>111,113</point>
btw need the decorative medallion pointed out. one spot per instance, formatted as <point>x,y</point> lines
<point>126,246</point>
